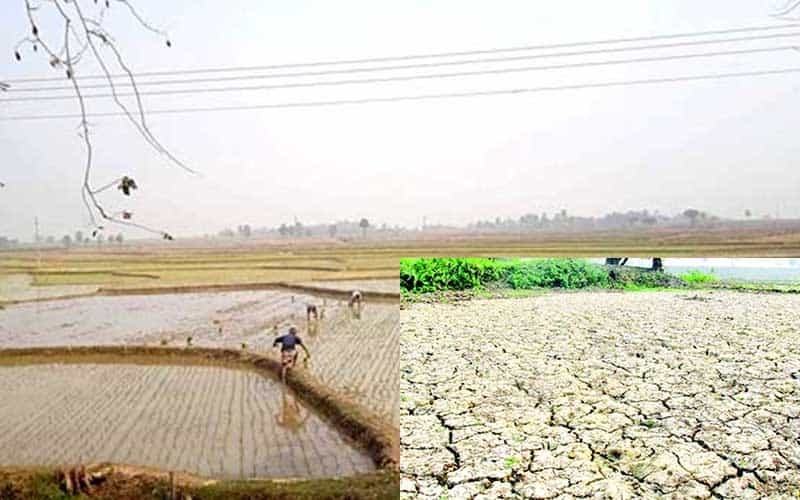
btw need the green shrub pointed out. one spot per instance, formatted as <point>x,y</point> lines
<point>46,487</point>
<point>557,273</point>
<point>434,274</point>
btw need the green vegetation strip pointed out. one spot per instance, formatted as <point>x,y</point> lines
<point>446,274</point>
<point>446,279</point>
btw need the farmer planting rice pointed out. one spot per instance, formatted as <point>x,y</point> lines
<point>355,303</point>
<point>289,343</point>
<point>355,298</point>
<point>311,310</point>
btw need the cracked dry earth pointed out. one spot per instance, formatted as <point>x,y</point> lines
<point>602,395</point>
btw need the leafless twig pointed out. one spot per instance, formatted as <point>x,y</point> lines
<point>84,30</point>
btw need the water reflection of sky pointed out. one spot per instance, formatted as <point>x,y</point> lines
<point>771,270</point>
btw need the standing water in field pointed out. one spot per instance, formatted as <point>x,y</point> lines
<point>748,270</point>
<point>359,358</point>
<point>210,421</point>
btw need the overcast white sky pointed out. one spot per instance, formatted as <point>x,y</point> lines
<point>720,146</point>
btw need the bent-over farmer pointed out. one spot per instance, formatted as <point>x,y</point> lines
<point>289,343</point>
<point>355,298</point>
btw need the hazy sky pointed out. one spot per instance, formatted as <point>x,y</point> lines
<point>720,146</point>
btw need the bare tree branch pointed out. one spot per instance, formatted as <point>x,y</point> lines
<point>144,23</point>
<point>88,29</point>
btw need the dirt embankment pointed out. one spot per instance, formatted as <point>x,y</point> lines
<point>320,291</point>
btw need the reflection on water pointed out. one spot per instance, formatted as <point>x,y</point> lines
<point>212,421</point>
<point>291,415</point>
<point>219,320</point>
<point>755,270</point>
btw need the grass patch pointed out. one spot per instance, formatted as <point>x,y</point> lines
<point>435,274</point>
<point>556,273</point>
<point>698,277</point>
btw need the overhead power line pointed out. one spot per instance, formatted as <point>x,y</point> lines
<point>415,66</point>
<point>410,77</point>
<point>789,7</point>
<point>523,48</point>
<point>369,100</point>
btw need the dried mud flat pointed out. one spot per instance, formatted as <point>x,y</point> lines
<point>603,395</point>
<point>357,357</point>
<point>210,421</point>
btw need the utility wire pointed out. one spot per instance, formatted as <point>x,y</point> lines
<point>434,55</point>
<point>790,6</point>
<point>369,100</point>
<point>411,77</point>
<point>140,83</point>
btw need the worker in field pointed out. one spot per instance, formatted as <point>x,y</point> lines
<point>289,343</point>
<point>311,310</point>
<point>355,298</point>
<point>355,303</point>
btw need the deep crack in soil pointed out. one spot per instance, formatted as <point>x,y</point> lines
<point>628,395</point>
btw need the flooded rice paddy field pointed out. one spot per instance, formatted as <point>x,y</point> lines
<point>358,357</point>
<point>606,395</point>
<point>205,420</point>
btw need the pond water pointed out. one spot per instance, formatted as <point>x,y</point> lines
<point>754,270</point>
<point>206,420</point>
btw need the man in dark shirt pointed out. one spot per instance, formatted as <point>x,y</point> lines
<point>288,344</point>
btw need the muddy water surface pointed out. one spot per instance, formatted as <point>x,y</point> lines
<point>211,421</point>
<point>211,319</point>
<point>358,357</point>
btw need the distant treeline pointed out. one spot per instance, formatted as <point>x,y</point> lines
<point>362,228</point>
<point>562,221</point>
<point>616,220</point>
<point>528,223</point>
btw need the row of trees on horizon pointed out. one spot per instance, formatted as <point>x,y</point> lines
<point>364,229</point>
